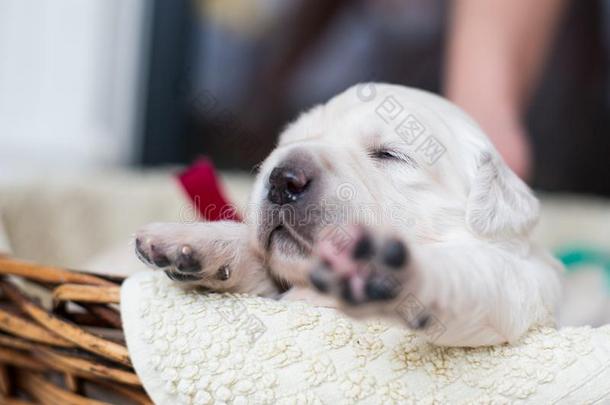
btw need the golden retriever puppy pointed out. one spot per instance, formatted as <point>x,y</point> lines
<point>386,201</point>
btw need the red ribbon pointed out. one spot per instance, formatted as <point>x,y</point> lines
<point>203,188</point>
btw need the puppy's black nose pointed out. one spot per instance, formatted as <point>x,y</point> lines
<point>286,185</point>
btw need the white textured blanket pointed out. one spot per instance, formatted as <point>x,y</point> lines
<point>194,348</point>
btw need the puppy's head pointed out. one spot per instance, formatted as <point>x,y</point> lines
<point>387,156</point>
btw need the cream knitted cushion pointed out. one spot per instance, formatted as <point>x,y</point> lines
<point>190,347</point>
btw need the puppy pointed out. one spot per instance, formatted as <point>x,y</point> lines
<point>386,201</point>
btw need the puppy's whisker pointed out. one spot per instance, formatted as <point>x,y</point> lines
<point>296,236</point>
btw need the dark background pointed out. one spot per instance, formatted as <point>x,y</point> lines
<point>226,93</point>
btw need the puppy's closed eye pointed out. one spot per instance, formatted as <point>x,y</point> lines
<point>389,155</point>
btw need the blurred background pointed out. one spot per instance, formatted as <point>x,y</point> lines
<point>97,91</point>
<point>134,83</point>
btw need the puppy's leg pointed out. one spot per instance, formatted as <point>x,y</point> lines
<point>211,254</point>
<point>455,294</point>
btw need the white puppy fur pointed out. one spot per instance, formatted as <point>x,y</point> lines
<point>404,165</point>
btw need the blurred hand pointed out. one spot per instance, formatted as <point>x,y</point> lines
<point>495,55</point>
<point>512,141</point>
<point>499,119</point>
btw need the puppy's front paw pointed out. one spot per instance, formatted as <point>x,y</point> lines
<point>185,253</point>
<point>180,264</point>
<point>358,266</point>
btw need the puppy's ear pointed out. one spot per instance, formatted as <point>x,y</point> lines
<point>500,204</point>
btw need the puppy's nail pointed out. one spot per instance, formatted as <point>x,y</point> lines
<point>381,288</point>
<point>363,250</point>
<point>223,273</point>
<point>186,261</point>
<point>394,254</point>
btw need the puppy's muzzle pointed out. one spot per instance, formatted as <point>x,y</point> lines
<point>292,209</point>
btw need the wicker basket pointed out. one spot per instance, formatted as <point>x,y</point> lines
<point>69,350</point>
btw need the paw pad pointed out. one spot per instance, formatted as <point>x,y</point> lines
<point>371,270</point>
<point>364,249</point>
<point>186,261</point>
<point>158,258</point>
<point>181,276</point>
<point>394,254</point>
